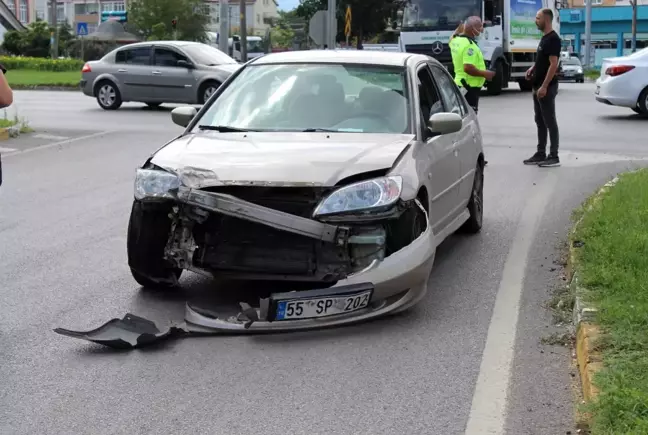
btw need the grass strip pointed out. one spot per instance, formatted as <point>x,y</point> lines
<point>613,266</point>
<point>25,78</point>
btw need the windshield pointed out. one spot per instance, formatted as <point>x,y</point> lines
<point>304,97</point>
<point>255,47</point>
<point>207,55</point>
<point>438,14</point>
<point>571,61</point>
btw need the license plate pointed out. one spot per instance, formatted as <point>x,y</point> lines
<point>598,89</point>
<point>314,307</point>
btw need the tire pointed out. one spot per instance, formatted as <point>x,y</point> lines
<point>525,86</point>
<point>476,203</point>
<point>405,230</point>
<point>495,87</point>
<point>148,232</point>
<point>642,103</point>
<point>108,95</point>
<point>206,90</point>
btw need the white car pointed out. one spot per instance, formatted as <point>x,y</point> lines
<point>624,82</point>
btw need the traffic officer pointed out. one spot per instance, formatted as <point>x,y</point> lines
<point>468,62</point>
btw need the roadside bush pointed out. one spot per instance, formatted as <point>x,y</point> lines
<point>41,64</point>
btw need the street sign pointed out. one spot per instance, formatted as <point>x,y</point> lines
<point>82,29</point>
<point>347,25</point>
<point>317,27</point>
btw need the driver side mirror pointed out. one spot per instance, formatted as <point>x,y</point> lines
<point>182,116</point>
<point>184,64</point>
<point>444,123</point>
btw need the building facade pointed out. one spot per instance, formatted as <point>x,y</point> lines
<point>259,15</point>
<point>611,30</point>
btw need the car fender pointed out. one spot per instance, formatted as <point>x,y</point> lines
<point>112,78</point>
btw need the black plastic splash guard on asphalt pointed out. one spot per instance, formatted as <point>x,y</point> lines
<point>131,332</point>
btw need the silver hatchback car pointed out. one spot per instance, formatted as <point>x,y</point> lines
<point>157,72</point>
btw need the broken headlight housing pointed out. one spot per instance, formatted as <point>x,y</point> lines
<point>363,196</point>
<point>155,184</point>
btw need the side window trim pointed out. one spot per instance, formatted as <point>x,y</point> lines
<point>171,49</point>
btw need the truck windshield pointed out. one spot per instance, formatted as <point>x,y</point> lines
<point>255,47</point>
<point>421,15</point>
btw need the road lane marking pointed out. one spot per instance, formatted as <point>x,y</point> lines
<point>7,150</point>
<point>49,136</point>
<point>56,144</point>
<point>488,410</point>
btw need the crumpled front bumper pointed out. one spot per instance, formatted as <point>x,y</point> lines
<point>396,283</point>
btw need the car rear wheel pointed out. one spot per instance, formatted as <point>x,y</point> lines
<point>207,89</point>
<point>148,232</point>
<point>642,104</point>
<point>476,204</point>
<point>108,95</point>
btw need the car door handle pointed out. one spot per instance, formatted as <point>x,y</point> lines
<point>157,73</point>
<point>122,70</point>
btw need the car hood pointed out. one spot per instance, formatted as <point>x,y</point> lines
<point>319,159</point>
<point>227,67</point>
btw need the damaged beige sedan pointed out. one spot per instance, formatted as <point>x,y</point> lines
<point>337,173</point>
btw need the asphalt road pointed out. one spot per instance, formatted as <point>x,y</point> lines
<point>467,359</point>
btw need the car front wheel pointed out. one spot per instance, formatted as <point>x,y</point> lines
<point>476,203</point>
<point>207,90</point>
<point>148,232</point>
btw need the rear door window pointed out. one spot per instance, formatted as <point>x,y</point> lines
<point>134,56</point>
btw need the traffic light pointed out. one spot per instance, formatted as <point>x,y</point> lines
<point>174,23</point>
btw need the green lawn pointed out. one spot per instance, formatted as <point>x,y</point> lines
<point>613,266</point>
<point>27,78</point>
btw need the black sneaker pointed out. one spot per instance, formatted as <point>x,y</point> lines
<point>538,157</point>
<point>550,162</point>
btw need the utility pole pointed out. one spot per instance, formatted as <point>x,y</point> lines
<point>634,25</point>
<point>588,32</point>
<point>243,33</point>
<point>54,33</point>
<point>332,21</point>
<point>223,31</point>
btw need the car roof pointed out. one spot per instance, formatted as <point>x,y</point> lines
<point>386,58</point>
<point>149,43</point>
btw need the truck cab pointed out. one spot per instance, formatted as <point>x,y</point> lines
<point>509,40</point>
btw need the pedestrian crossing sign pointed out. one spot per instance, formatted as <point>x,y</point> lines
<point>82,29</point>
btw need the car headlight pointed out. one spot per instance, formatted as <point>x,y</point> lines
<point>365,195</point>
<point>155,184</point>
<point>579,70</point>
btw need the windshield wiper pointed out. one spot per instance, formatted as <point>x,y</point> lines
<point>222,128</point>
<point>313,130</point>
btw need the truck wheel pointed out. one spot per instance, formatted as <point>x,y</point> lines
<point>495,87</point>
<point>525,86</point>
<point>148,232</point>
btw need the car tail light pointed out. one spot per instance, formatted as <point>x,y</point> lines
<point>86,68</point>
<point>617,70</point>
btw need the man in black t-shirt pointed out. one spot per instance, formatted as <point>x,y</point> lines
<point>545,88</point>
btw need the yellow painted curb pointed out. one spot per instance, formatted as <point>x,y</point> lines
<point>588,358</point>
<point>4,134</point>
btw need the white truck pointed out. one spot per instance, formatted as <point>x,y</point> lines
<point>509,41</point>
<point>255,45</point>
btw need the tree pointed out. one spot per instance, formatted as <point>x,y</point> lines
<point>34,41</point>
<point>65,35</point>
<point>153,19</point>
<point>282,34</point>
<point>370,18</point>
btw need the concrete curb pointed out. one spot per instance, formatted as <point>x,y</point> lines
<point>587,332</point>
<point>9,132</point>
<point>46,88</point>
